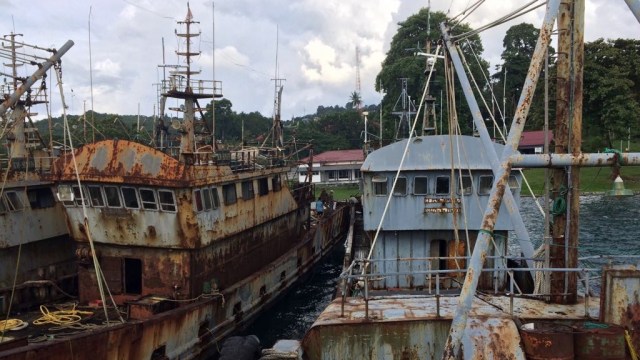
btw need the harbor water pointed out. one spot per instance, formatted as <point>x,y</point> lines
<point>608,226</point>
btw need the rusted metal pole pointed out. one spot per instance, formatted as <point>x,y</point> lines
<point>564,252</point>
<point>583,159</point>
<point>634,5</point>
<point>465,300</point>
<point>516,219</point>
<point>8,103</point>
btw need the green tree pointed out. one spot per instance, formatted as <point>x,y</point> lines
<point>519,44</point>
<point>401,62</point>
<point>611,98</point>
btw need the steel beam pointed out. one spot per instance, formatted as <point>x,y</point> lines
<point>634,5</point>
<point>584,160</point>
<point>467,293</point>
<point>8,103</point>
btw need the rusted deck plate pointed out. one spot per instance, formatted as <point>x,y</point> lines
<point>416,307</point>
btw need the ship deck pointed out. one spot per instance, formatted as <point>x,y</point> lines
<point>396,308</point>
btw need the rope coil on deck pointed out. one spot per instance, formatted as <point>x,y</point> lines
<point>62,318</point>
<point>12,324</point>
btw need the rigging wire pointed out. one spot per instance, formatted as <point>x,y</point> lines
<point>510,16</point>
<point>404,155</point>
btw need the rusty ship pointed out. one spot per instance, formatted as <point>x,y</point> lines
<point>36,254</point>
<point>176,246</point>
<point>429,271</point>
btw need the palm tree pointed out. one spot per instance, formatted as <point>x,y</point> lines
<point>356,100</point>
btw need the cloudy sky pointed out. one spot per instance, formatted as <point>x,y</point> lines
<point>317,40</point>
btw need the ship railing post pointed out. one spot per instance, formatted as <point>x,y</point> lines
<point>438,294</point>
<point>586,294</point>
<point>429,276</point>
<point>366,292</point>
<point>510,272</point>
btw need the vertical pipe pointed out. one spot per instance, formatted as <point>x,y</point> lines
<point>465,300</point>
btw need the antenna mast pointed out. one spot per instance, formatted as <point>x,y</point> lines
<point>358,103</point>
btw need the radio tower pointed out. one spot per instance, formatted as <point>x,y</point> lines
<point>358,99</point>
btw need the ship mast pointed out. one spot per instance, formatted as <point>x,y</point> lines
<point>181,85</point>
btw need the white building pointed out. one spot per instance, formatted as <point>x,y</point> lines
<point>333,167</point>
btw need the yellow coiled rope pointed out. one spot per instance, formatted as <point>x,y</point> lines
<point>60,317</point>
<point>10,324</point>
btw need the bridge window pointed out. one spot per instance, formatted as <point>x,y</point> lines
<point>130,196</point>
<point>148,199</point>
<point>401,187</point>
<point>263,186</point>
<point>467,186</point>
<point>380,185</point>
<point>40,198</point>
<point>13,201</point>
<point>206,198</point>
<point>167,200</point>
<point>229,194</point>
<point>113,196</point>
<point>215,198</point>
<point>79,195</point>
<point>420,185</point>
<point>95,193</point>
<point>247,190</point>
<point>275,183</point>
<point>442,185</point>
<point>197,197</point>
<point>485,184</point>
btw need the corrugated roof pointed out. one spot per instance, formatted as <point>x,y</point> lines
<point>337,156</point>
<point>534,138</point>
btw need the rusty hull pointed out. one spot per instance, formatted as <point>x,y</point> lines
<point>194,328</point>
<point>620,299</point>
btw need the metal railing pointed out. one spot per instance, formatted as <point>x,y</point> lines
<point>357,275</point>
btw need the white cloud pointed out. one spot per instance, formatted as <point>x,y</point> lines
<point>107,67</point>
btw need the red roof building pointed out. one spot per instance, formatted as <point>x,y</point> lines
<point>334,167</point>
<point>532,142</point>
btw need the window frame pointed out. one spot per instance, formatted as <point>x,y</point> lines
<point>396,188</point>
<point>124,198</point>
<point>100,197</point>
<point>118,196</point>
<point>482,188</point>
<point>426,185</point>
<point>377,184</point>
<point>468,190</point>
<point>166,206</point>
<point>226,194</point>
<point>443,177</point>
<point>144,203</point>
<point>247,190</point>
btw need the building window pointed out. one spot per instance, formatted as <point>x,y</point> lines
<point>379,185</point>
<point>130,196</point>
<point>167,200</point>
<point>275,183</point>
<point>485,184</point>
<point>420,185</point>
<point>356,174</point>
<point>343,174</point>
<point>263,186</point>
<point>229,194</point>
<point>442,185</point>
<point>467,186</point>
<point>113,196</point>
<point>401,187</point>
<point>247,190</point>
<point>95,193</point>
<point>332,175</point>
<point>148,199</point>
